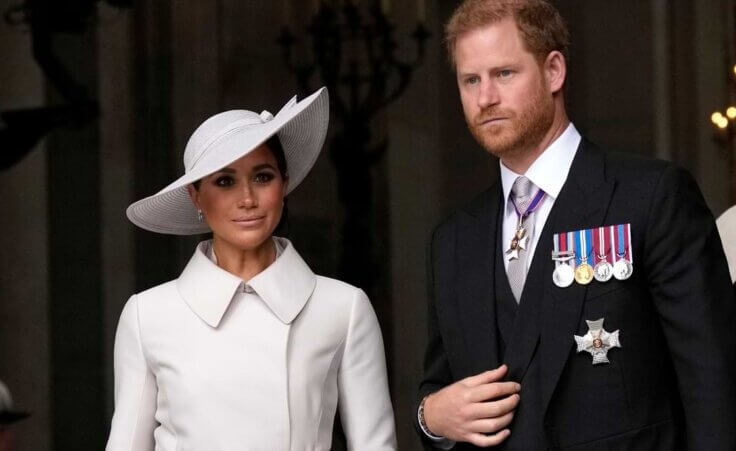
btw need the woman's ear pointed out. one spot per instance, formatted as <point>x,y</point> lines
<point>193,195</point>
<point>285,187</point>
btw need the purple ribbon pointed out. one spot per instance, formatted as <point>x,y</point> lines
<point>532,206</point>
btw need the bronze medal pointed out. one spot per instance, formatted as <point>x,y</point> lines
<point>584,273</point>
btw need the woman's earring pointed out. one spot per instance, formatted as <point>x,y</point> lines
<point>200,216</point>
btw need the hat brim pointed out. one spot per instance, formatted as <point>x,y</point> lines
<point>301,128</point>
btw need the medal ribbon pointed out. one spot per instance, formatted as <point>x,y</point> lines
<point>571,246</point>
<point>532,206</point>
<point>621,238</point>
<point>600,246</point>
<point>582,250</point>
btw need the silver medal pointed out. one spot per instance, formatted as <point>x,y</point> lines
<point>622,269</point>
<point>603,271</point>
<point>563,275</point>
<point>597,341</point>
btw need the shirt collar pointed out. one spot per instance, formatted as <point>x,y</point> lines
<point>549,171</point>
<point>208,289</point>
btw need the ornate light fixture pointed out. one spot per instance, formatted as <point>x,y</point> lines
<point>353,53</point>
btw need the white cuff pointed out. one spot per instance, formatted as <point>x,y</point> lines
<point>439,441</point>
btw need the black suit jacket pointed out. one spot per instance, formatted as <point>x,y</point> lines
<point>672,384</point>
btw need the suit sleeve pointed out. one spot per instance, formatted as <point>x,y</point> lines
<point>437,373</point>
<point>688,279</point>
<point>364,401</point>
<point>133,422</point>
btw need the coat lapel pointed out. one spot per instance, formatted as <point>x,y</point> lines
<point>476,247</point>
<point>582,204</point>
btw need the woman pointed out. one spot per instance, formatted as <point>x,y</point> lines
<point>247,349</point>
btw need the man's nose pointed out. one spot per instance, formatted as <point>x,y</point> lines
<point>488,94</point>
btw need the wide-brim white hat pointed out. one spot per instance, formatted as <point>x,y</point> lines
<point>225,137</point>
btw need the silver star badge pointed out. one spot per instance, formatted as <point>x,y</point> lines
<point>597,341</point>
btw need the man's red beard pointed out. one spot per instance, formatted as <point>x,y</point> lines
<point>516,132</point>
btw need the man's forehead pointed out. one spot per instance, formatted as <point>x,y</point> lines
<point>496,44</point>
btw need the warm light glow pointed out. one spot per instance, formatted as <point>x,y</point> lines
<point>716,117</point>
<point>734,69</point>
<point>731,112</point>
<point>723,123</point>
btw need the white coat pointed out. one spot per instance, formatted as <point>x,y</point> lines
<point>207,362</point>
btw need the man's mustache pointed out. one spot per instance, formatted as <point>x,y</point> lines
<point>490,114</point>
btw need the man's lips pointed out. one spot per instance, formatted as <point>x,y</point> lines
<point>490,120</point>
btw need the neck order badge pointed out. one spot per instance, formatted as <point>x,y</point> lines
<point>521,238</point>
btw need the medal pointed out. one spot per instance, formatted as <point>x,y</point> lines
<point>583,272</point>
<point>563,275</point>
<point>622,268</point>
<point>602,271</point>
<point>597,342</point>
<point>520,239</point>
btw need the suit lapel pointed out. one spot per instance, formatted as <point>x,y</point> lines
<point>582,204</point>
<point>476,247</point>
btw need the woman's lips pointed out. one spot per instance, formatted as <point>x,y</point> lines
<point>249,221</point>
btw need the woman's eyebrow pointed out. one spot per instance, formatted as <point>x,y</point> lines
<point>263,166</point>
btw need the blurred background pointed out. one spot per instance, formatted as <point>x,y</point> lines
<point>98,98</point>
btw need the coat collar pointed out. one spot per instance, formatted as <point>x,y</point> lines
<point>208,289</point>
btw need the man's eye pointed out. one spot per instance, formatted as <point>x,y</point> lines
<point>472,80</point>
<point>224,180</point>
<point>506,73</point>
<point>264,177</point>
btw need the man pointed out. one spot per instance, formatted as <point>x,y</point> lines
<point>583,302</point>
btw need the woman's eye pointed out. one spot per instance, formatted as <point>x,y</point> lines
<point>224,180</point>
<point>264,177</point>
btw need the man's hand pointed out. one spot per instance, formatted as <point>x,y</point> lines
<point>476,409</point>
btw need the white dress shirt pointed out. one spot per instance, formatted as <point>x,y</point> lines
<point>548,173</point>
<point>210,362</point>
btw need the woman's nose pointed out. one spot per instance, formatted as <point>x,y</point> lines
<point>248,197</point>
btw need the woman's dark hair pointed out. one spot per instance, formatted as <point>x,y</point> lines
<point>277,150</point>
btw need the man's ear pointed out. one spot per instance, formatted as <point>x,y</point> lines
<point>555,71</point>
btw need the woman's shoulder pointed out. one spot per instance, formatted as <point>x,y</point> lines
<point>152,299</point>
<point>160,291</point>
<point>343,291</point>
<point>342,299</point>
